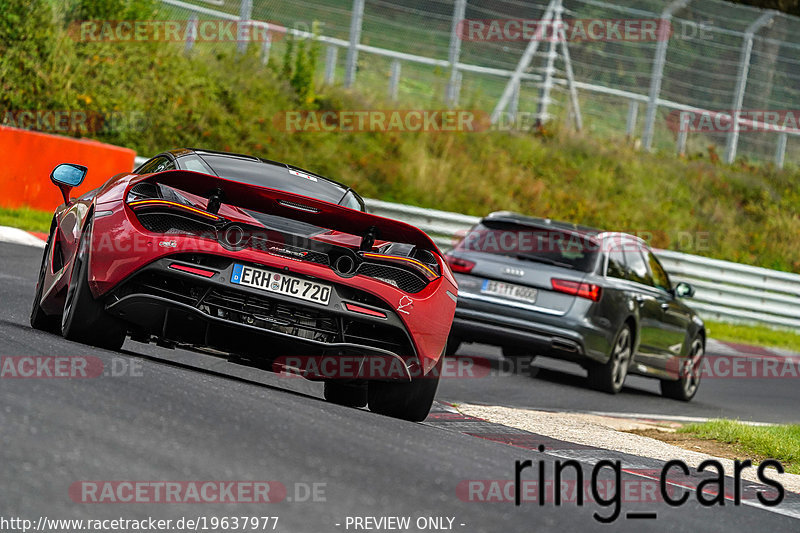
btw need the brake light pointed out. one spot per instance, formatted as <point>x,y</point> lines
<point>462,266</point>
<point>299,207</point>
<point>418,265</point>
<point>584,290</point>
<point>143,204</point>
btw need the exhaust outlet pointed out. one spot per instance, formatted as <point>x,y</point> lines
<point>563,345</point>
<point>344,266</point>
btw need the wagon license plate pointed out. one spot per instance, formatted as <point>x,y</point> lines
<point>265,280</point>
<point>509,290</point>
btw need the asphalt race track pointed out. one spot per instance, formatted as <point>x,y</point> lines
<point>182,416</point>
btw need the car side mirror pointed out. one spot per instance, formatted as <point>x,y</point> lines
<point>684,290</point>
<point>66,176</point>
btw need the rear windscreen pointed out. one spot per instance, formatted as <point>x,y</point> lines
<point>530,243</point>
<point>274,176</point>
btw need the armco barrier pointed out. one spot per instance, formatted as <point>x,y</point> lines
<point>29,157</point>
<point>442,226</point>
<point>732,292</point>
<point>725,291</point>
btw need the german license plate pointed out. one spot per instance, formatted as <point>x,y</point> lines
<point>265,280</point>
<point>509,290</point>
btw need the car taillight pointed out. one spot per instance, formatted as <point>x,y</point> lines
<point>576,288</point>
<point>157,203</point>
<point>426,270</point>
<point>462,266</point>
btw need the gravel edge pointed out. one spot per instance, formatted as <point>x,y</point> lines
<point>603,432</point>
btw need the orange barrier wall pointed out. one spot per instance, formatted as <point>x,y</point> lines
<point>28,157</point>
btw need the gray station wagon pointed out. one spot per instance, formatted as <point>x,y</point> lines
<point>538,287</point>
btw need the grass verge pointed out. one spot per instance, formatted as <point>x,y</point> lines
<point>26,218</point>
<point>755,335</point>
<point>775,442</point>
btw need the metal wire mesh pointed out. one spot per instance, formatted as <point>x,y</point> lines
<point>717,54</point>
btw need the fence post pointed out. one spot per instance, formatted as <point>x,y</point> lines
<point>524,62</point>
<point>683,133</point>
<point>547,85</point>
<point>191,34</point>
<point>513,105</point>
<point>630,124</point>
<point>394,79</point>
<point>658,71</point>
<point>330,63</point>
<point>780,151</point>
<point>243,27</point>
<point>454,52</point>
<point>732,142</point>
<point>266,47</point>
<point>459,77</point>
<point>573,92</point>
<point>356,21</point>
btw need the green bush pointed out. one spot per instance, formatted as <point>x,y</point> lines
<point>110,10</point>
<point>27,46</point>
<point>299,65</point>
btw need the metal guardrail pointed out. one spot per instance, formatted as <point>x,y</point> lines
<point>725,291</point>
<point>732,292</point>
<point>443,227</point>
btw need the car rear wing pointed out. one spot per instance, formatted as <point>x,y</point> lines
<point>293,206</point>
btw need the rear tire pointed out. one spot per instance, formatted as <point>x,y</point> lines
<point>346,394</point>
<point>610,376</point>
<point>686,387</point>
<point>85,319</point>
<point>453,344</point>
<point>40,320</point>
<point>406,400</point>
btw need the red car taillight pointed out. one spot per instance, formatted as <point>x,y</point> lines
<point>138,205</point>
<point>462,266</point>
<point>419,266</point>
<point>575,288</point>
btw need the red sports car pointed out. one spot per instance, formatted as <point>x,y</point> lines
<point>266,263</point>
